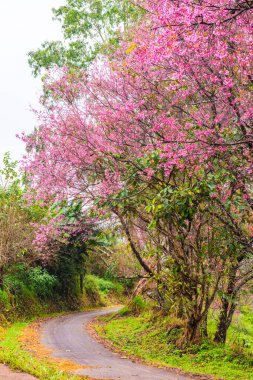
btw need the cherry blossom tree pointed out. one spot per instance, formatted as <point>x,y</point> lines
<point>161,136</point>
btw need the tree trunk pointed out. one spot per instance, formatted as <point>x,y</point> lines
<point>204,327</point>
<point>192,330</point>
<point>227,309</point>
<point>221,333</point>
<point>81,282</point>
<point>225,320</point>
<point>1,277</point>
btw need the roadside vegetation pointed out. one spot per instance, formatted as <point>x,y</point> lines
<point>143,332</point>
<point>35,282</point>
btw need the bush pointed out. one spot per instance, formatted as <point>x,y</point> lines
<point>34,280</point>
<point>107,286</point>
<point>26,303</point>
<point>42,283</point>
<point>124,312</point>
<point>21,304</point>
<point>101,291</point>
<point>137,305</point>
<point>23,290</point>
<point>5,303</point>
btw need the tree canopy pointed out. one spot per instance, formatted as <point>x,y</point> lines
<point>89,28</point>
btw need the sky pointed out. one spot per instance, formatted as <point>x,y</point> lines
<point>24,26</point>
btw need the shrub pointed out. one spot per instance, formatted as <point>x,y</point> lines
<point>107,286</point>
<point>42,283</point>
<point>124,312</point>
<point>137,305</point>
<point>5,303</point>
<point>34,280</point>
<point>24,288</point>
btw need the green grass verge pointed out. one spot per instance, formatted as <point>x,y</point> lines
<point>12,354</point>
<point>147,337</point>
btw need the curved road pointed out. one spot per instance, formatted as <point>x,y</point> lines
<point>69,339</point>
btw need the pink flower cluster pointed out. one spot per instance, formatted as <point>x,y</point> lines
<point>182,87</point>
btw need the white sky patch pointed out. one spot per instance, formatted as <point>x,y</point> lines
<point>24,25</point>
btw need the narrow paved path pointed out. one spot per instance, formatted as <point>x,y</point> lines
<point>7,374</point>
<point>69,339</point>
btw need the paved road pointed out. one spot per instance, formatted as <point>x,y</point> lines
<point>7,374</point>
<point>69,339</point>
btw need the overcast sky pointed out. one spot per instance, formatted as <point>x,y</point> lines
<point>24,26</point>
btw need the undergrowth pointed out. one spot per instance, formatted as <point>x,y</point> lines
<point>143,333</point>
<point>103,292</point>
<point>29,295</point>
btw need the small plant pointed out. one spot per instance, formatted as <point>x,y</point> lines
<point>124,312</point>
<point>137,305</point>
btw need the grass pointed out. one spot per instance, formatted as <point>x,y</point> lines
<point>146,336</point>
<point>241,331</point>
<point>107,286</point>
<point>13,354</point>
